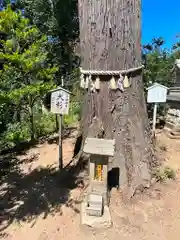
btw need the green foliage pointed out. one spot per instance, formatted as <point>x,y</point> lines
<point>165,173</point>
<point>15,134</point>
<point>23,53</point>
<point>26,73</point>
<point>40,12</point>
<point>158,63</point>
<point>170,173</point>
<point>59,20</point>
<point>58,17</point>
<point>74,114</point>
<point>45,124</point>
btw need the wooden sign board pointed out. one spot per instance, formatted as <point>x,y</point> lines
<point>157,93</point>
<point>60,101</point>
<point>98,146</point>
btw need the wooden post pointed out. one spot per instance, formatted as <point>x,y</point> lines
<point>60,143</point>
<point>154,118</point>
<point>60,135</point>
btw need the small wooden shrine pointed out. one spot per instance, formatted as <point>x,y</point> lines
<point>100,150</point>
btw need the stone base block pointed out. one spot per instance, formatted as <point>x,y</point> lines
<point>99,189</point>
<point>94,200</point>
<point>94,205</point>
<point>93,221</point>
<point>94,211</point>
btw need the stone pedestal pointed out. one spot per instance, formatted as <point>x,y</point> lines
<point>95,222</point>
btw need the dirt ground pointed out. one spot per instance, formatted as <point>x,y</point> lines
<point>38,203</point>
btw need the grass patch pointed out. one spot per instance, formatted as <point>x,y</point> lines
<point>164,173</point>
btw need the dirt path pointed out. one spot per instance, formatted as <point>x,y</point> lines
<point>43,206</point>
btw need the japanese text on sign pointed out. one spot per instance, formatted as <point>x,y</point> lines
<point>60,102</point>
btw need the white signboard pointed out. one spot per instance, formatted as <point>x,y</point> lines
<point>157,93</point>
<point>60,102</point>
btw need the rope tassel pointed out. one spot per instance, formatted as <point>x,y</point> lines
<point>93,89</point>
<point>87,83</point>
<point>97,83</point>
<point>126,83</point>
<point>120,83</point>
<point>123,82</point>
<point>91,83</point>
<point>113,85</point>
<point>82,82</point>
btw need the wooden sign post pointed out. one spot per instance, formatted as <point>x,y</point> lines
<point>60,98</point>
<point>157,93</point>
<point>154,117</point>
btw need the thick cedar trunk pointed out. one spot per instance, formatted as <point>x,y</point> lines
<point>110,34</point>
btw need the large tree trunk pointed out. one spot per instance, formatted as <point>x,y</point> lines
<point>110,34</point>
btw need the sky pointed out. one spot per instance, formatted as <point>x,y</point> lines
<point>160,18</point>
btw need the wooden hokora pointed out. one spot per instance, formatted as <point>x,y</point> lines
<point>100,150</point>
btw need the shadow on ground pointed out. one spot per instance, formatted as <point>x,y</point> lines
<point>22,147</point>
<point>23,197</point>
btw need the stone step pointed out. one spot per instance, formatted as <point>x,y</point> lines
<point>95,200</point>
<point>94,211</point>
<point>94,205</point>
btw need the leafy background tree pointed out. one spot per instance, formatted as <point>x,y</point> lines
<point>58,19</point>
<point>159,64</point>
<point>26,73</point>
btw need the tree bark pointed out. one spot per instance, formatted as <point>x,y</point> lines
<point>110,34</point>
